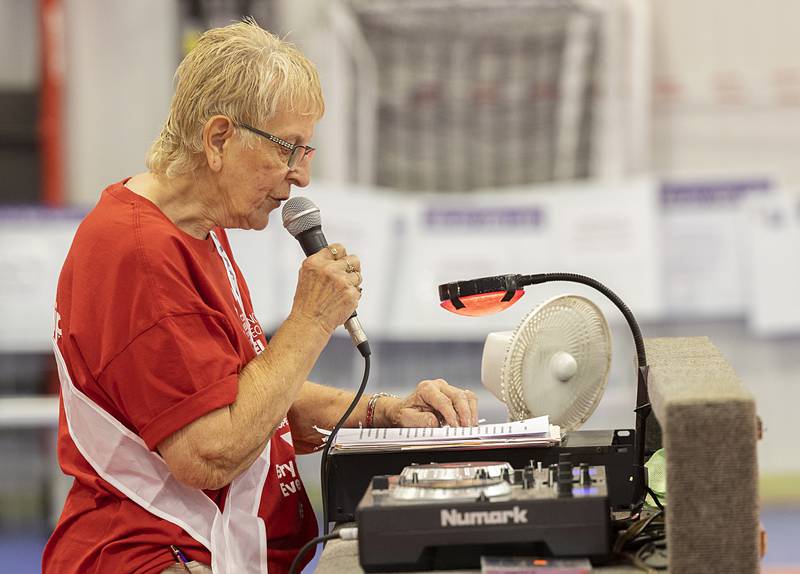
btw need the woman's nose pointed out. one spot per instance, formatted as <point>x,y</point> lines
<point>301,174</point>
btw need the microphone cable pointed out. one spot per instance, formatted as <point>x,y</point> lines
<point>343,533</point>
<point>324,464</point>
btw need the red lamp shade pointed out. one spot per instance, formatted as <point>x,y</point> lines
<point>484,296</point>
<point>483,303</point>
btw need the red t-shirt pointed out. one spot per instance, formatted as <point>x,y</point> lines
<point>150,331</point>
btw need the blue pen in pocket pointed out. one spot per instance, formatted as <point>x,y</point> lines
<point>179,557</point>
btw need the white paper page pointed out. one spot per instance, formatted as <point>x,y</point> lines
<point>382,436</point>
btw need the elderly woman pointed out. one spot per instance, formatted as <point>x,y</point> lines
<point>179,421</point>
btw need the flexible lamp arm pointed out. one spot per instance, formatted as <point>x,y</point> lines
<point>642,398</point>
<point>538,278</point>
<point>454,295</point>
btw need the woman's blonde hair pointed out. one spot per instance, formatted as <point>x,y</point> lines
<point>240,71</point>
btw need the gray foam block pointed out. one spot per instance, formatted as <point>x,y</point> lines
<point>709,430</point>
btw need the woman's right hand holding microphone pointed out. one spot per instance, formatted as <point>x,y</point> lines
<point>328,287</point>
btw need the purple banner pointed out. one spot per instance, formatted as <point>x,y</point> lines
<point>484,217</point>
<point>34,213</point>
<point>712,192</point>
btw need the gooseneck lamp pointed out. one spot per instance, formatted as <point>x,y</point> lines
<point>488,295</point>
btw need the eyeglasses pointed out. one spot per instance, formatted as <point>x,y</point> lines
<point>296,152</point>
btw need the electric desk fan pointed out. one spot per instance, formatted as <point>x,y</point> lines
<point>555,363</point>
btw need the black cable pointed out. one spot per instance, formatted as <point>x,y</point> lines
<point>655,498</point>
<point>329,443</point>
<point>647,552</point>
<point>638,340</point>
<point>644,540</point>
<point>310,544</point>
<point>639,526</point>
<point>643,408</point>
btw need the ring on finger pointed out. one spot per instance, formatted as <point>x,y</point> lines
<point>334,252</point>
<point>350,267</point>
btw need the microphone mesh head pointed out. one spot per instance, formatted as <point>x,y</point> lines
<point>300,214</point>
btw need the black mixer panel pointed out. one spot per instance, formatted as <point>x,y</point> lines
<point>445,516</point>
<point>350,473</point>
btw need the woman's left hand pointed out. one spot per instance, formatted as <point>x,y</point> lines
<point>433,403</point>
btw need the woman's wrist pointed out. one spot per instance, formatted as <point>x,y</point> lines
<point>308,327</point>
<point>380,408</point>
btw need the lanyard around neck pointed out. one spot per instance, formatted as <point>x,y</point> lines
<point>257,347</point>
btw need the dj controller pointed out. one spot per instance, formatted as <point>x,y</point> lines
<point>448,515</point>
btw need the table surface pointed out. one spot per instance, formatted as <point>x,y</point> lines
<point>342,556</point>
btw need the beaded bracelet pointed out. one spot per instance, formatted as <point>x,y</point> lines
<point>373,401</point>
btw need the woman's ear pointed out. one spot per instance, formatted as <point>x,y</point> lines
<point>217,131</point>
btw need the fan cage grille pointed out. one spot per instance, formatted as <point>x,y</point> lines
<point>567,323</point>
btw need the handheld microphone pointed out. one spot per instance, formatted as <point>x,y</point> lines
<point>302,219</point>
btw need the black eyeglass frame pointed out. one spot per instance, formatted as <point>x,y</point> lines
<point>294,157</point>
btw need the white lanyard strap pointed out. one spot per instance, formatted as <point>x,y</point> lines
<point>237,296</point>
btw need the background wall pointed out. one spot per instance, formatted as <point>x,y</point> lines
<point>726,85</point>
<point>120,59</point>
<point>19,39</point>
